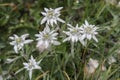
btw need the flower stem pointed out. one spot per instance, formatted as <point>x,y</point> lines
<point>72,49</point>
<point>24,55</point>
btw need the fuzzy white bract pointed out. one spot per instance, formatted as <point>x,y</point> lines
<point>46,38</point>
<point>19,42</point>
<point>51,16</point>
<point>91,65</point>
<point>88,31</point>
<point>32,64</point>
<point>73,34</point>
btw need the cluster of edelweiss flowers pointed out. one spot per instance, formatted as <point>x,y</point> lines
<point>48,37</point>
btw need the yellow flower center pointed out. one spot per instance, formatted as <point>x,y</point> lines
<point>46,36</point>
<point>18,40</point>
<point>74,30</point>
<point>88,30</point>
<point>50,13</point>
<point>31,65</point>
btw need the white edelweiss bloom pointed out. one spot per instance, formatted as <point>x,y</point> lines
<point>31,65</point>
<point>46,38</point>
<point>73,34</point>
<point>88,31</point>
<point>91,66</point>
<point>19,42</point>
<point>51,16</point>
<point>111,60</point>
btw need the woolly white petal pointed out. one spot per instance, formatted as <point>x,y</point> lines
<point>47,29</point>
<point>30,74</point>
<point>32,58</point>
<point>83,42</point>
<point>28,41</point>
<point>86,22</point>
<point>70,25</point>
<point>60,20</point>
<point>55,34</point>
<point>82,37</point>
<point>43,20</point>
<point>12,38</point>
<point>46,44</point>
<point>15,49</point>
<point>58,9</point>
<point>67,33</point>
<point>51,22</point>
<point>66,39</point>
<point>39,43</point>
<point>25,64</point>
<point>95,38</point>
<point>15,35</point>
<point>46,9</point>
<point>13,43</point>
<point>43,13</point>
<point>24,36</point>
<point>89,36</point>
<point>39,61</point>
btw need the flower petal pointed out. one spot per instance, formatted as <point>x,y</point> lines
<point>30,74</point>
<point>60,20</point>
<point>15,49</point>
<point>43,20</point>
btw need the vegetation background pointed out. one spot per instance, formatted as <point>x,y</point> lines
<point>24,16</point>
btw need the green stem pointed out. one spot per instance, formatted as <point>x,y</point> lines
<point>24,55</point>
<point>59,66</point>
<point>72,49</point>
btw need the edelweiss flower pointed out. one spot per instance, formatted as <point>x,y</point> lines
<point>88,31</point>
<point>51,16</point>
<point>46,38</point>
<point>19,42</point>
<point>91,66</point>
<point>73,34</point>
<point>32,64</point>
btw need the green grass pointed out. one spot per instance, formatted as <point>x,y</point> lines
<point>57,64</point>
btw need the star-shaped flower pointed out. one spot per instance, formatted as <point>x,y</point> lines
<point>51,16</point>
<point>19,42</point>
<point>31,65</point>
<point>88,31</point>
<point>73,34</point>
<point>46,38</point>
